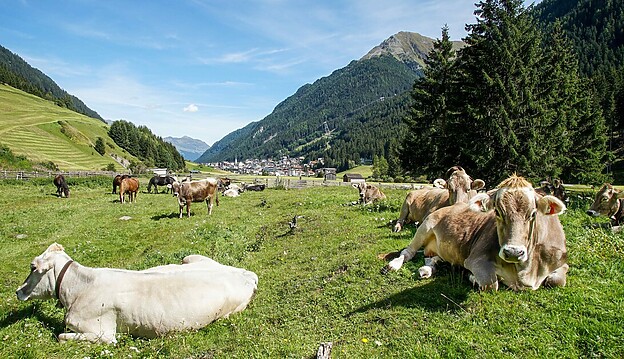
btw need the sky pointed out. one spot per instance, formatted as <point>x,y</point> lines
<point>205,68</point>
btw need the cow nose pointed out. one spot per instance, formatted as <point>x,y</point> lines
<point>513,253</point>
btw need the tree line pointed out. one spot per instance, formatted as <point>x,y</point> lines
<point>511,101</point>
<point>140,142</point>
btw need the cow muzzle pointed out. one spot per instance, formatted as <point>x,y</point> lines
<point>513,254</point>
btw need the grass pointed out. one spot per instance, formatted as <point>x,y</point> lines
<point>318,284</point>
<point>43,132</point>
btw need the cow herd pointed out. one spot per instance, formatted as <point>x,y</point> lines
<point>509,235</point>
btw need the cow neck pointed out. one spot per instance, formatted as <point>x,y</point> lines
<point>59,280</point>
<point>617,217</point>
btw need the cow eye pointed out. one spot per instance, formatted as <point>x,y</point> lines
<point>33,267</point>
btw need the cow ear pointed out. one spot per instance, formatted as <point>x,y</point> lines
<point>477,184</point>
<point>439,183</point>
<point>55,247</point>
<point>550,205</point>
<point>480,202</point>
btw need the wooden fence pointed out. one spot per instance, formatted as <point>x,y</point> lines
<point>25,175</point>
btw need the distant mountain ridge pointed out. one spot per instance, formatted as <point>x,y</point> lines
<point>189,148</point>
<point>338,116</point>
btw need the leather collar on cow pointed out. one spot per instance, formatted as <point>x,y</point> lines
<point>59,279</point>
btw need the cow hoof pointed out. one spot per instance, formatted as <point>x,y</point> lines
<point>395,264</point>
<point>425,272</point>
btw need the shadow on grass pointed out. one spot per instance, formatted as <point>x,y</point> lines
<point>433,297</point>
<point>163,216</point>
<point>33,310</point>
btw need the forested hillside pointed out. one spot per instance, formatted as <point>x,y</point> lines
<point>17,73</point>
<point>342,117</point>
<point>152,150</point>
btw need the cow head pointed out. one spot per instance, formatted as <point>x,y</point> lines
<point>41,282</point>
<point>175,188</point>
<point>555,188</point>
<point>517,209</point>
<point>459,185</point>
<point>606,202</point>
<point>361,187</point>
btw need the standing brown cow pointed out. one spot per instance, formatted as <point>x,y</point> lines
<point>196,191</point>
<point>131,187</point>
<point>117,181</point>
<point>61,186</point>
<point>511,234</point>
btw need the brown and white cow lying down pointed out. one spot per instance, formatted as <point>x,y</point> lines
<point>511,234</point>
<point>368,193</point>
<point>608,203</point>
<point>196,191</point>
<point>101,302</point>
<point>458,187</point>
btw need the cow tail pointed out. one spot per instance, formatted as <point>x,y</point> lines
<point>217,197</point>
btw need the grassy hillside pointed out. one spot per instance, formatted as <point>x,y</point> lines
<point>43,132</point>
<point>318,284</point>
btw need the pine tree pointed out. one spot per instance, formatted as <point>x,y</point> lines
<point>499,93</point>
<point>99,146</point>
<point>427,149</point>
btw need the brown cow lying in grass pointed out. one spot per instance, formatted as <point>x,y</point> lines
<point>511,234</point>
<point>458,187</point>
<point>608,203</point>
<point>368,193</point>
<point>196,191</point>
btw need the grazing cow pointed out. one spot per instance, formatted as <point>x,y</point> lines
<point>368,193</point>
<point>62,189</point>
<point>458,187</point>
<point>608,203</point>
<point>510,234</point>
<point>160,181</point>
<point>255,187</point>
<point>556,189</point>
<point>128,186</point>
<point>196,191</point>
<point>101,302</point>
<point>117,181</point>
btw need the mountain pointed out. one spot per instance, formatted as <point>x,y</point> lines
<point>352,114</point>
<point>16,72</point>
<point>188,147</point>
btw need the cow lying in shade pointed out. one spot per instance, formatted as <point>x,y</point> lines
<point>368,193</point>
<point>458,187</point>
<point>101,302</point>
<point>196,191</point>
<point>608,203</point>
<point>511,234</point>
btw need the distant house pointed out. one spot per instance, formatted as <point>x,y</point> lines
<point>329,174</point>
<point>353,177</point>
<point>159,171</point>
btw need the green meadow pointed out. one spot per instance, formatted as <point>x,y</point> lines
<point>318,283</point>
<point>45,132</point>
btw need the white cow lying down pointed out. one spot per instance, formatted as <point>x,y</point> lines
<point>101,302</point>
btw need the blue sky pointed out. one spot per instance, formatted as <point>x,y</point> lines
<point>205,68</point>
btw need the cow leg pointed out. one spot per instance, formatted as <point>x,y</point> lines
<point>181,207</point>
<point>483,273</point>
<point>91,337</point>
<point>558,277</point>
<point>188,209</point>
<point>429,268</point>
<point>209,204</point>
<point>423,235</point>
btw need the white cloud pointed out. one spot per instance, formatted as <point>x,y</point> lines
<point>191,108</point>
